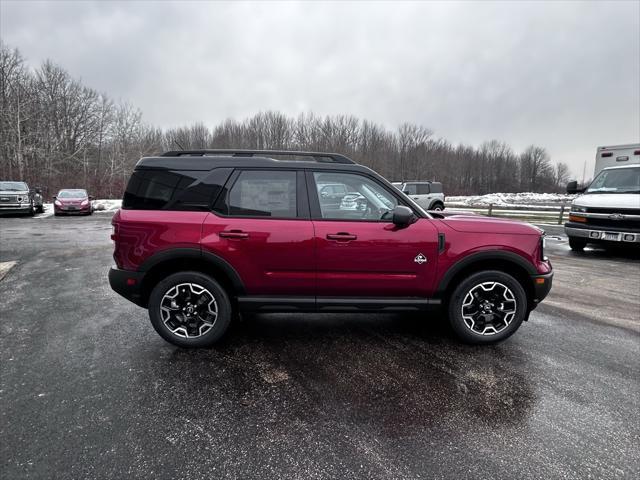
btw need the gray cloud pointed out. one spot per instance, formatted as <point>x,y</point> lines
<point>562,75</point>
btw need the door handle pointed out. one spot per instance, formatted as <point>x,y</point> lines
<point>341,237</point>
<point>416,198</point>
<point>233,234</point>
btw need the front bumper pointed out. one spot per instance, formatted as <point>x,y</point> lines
<point>602,234</point>
<point>541,287</point>
<point>15,208</point>
<point>128,284</point>
<point>71,211</point>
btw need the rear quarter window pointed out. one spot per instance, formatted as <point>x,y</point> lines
<point>160,189</point>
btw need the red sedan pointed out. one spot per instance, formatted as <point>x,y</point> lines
<point>72,202</point>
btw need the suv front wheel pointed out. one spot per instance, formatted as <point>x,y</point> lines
<point>487,307</point>
<point>190,309</point>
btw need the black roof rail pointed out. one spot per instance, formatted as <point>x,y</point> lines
<point>317,156</point>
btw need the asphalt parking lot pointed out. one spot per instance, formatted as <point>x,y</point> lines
<point>89,390</point>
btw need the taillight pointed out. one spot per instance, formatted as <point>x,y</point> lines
<point>636,152</point>
<point>606,154</point>
<point>114,232</point>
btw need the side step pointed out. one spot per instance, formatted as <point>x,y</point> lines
<point>336,304</point>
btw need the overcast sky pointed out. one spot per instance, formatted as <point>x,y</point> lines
<point>565,76</point>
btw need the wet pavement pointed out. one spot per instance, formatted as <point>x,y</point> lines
<point>89,390</point>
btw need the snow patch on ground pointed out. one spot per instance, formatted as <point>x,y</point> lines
<point>99,206</point>
<point>5,267</point>
<point>104,205</point>
<point>523,199</point>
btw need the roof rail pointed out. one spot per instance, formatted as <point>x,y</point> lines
<point>317,156</point>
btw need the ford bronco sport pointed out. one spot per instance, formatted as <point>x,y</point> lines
<point>203,234</point>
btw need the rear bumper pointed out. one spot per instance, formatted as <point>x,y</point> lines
<point>128,284</point>
<point>597,234</point>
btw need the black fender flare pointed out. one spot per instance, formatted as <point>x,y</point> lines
<point>483,256</point>
<point>195,254</point>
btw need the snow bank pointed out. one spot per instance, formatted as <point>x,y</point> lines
<point>104,205</point>
<point>512,199</point>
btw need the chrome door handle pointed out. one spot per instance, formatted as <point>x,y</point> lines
<point>233,234</point>
<point>341,237</point>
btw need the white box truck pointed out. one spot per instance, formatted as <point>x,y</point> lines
<point>608,211</point>
<point>616,156</point>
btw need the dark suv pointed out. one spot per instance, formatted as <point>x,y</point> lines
<point>206,233</point>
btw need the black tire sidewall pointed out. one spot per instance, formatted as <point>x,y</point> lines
<point>457,297</point>
<point>577,244</point>
<point>222,299</point>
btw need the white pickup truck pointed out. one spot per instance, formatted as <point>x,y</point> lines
<point>608,211</point>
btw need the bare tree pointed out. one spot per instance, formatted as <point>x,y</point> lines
<point>56,132</point>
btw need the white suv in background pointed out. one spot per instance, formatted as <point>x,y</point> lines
<point>428,195</point>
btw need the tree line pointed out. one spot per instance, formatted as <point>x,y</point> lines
<point>56,132</point>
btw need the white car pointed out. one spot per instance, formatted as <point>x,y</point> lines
<point>428,195</point>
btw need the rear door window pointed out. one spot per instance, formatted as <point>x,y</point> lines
<point>263,193</point>
<point>423,189</point>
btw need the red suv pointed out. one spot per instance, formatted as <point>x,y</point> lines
<point>206,233</point>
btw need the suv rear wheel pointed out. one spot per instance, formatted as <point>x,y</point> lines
<point>438,207</point>
<point>487,307</point>
<point>190,309</point>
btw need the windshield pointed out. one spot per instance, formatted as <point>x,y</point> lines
<point>618,180</point>
<point>13,186</point>
<point>72,194</point>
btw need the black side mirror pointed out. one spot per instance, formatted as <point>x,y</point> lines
<point>38,190</point>
<point>572,187</point>
<point>402,216</point>
<point>91,197</point>
<point>54,197</point>
<point>406,192</point>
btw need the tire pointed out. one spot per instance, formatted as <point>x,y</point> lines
<point>173,325</point>
<point>577,244</point>
<point>32,211</point>
<point>494,324</point>
<point>438,207</point>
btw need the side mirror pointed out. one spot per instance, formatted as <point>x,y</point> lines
<point>572,187</point>
<point>402,216</point>
<point>91,197</point>
<point>54,197</point>
<point>406,192</point>
<point>38,190</point>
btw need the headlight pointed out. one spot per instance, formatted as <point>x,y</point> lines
<point>578,209</point>
<point>58,203</point>
<point>85,202</point>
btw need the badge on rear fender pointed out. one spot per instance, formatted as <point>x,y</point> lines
<point>420,259</point>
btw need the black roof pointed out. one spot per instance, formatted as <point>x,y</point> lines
<point>208,159</point>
